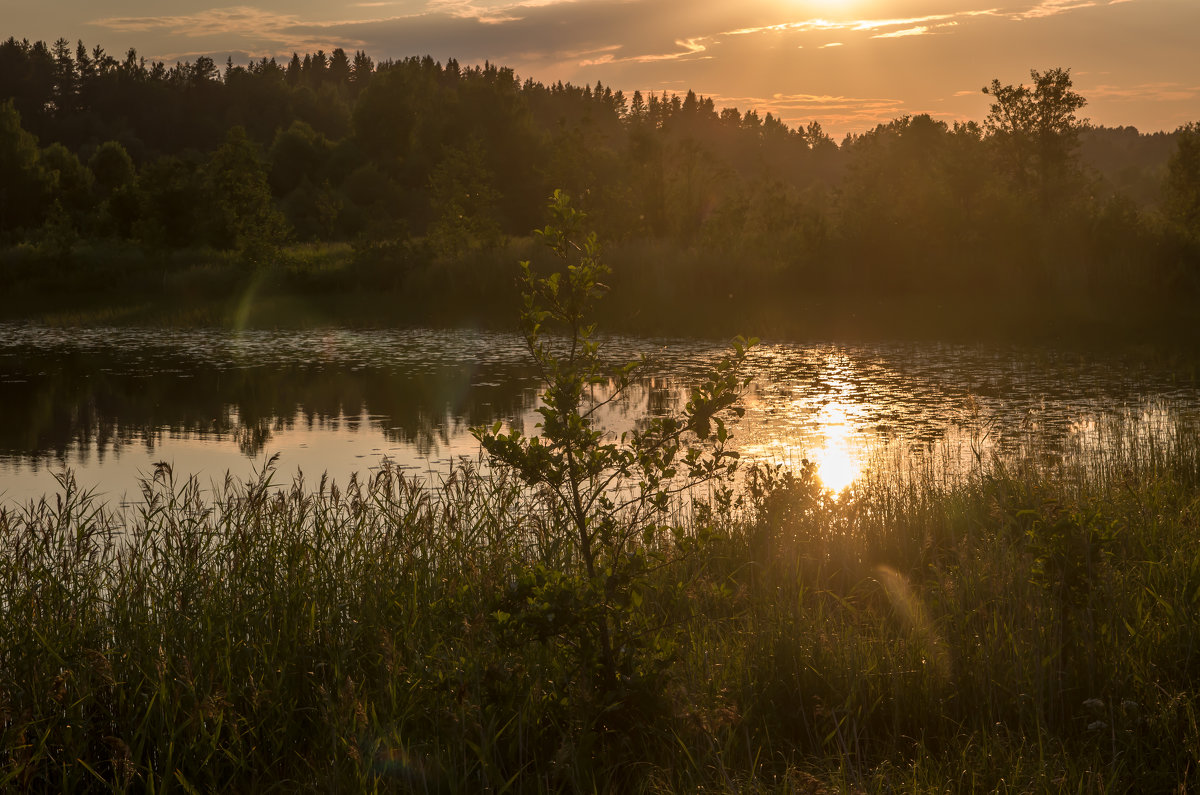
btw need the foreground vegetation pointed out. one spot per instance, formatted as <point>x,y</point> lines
<point>600,613</point>
<point>1025,629</point>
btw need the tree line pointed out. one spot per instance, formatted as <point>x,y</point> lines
<point>414,160</point>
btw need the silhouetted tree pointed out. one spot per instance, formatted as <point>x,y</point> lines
<point>115,187</point>
<point>297,153</point>
<point>242,198</point>
<point>27,77</point>
<point>1182,187</point>
<point>112,167</point>
<point>25,186</point>
<point>173,203</point>
<point>463,203</point>
<point>295,70</point>
<point>339,67</point>
<point>311,210</point>
<point>1036,129</point>
<point>360,70</point>
<point>71,183</point>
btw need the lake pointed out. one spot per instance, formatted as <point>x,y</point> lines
<point>109,403</point>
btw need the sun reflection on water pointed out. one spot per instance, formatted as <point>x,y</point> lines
<point>837,464</point>
<point>824,430</point>
<point>338,401</point>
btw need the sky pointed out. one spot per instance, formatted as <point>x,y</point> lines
<point>848,64</point>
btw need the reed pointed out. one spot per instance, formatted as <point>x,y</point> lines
<point>1031,626</point>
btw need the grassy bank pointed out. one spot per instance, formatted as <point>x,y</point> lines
<point>657,288</point>
<point>1031,628</point>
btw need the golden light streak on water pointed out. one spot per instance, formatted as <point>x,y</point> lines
<point>825,435</point>
<point>837,465</point>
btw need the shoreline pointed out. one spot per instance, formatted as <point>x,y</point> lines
<point>325,286</point>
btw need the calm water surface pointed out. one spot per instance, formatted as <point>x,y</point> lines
<point>111,403</point>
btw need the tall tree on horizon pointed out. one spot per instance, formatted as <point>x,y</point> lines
<point>1182,188</point>
<point>1036,130</point>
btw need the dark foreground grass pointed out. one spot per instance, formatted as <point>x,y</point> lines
<point>1028,629</point>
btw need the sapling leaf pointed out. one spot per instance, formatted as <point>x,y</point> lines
<point>585,468</point>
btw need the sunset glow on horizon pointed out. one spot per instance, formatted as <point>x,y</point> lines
<point>848,64</point>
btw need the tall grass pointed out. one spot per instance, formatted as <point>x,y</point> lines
<point>1030,627</point>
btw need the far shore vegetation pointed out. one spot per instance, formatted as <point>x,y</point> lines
<point>310,285</point>
<point>334,189</point>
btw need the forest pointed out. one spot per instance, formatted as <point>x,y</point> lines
<point>335,175</point>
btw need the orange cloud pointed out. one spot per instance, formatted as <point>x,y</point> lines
<point>750,47</point>
<point>244,20</point>
<point>1049,8</point>
<point>834,112</point>
<point>689,47</point>
<point>1152,92</point>
<point>867,25</point>
<point>919,30</point>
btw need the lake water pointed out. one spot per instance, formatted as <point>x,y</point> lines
<point>111,403</point>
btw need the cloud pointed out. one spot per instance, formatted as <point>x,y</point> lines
<point>819,24</point>
<point>916,25</point>
<point>537,34</point>
<point>231,30</point>
<point>1145,92</point>
<point>687,47</point>
<point>563,34</point>
<point>533,33</point>
<point>604,55</point>
<point>750,47</point>
<point>810,103</point>
<point>216,21</point>
<point>1049,8</point>
<point>919,30</point>
<point>835,113</point>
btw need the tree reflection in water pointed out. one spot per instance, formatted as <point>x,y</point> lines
<point>340,400</point>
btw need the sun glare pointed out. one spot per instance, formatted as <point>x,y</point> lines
<point>837,466</point>
<point>824,6</point>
